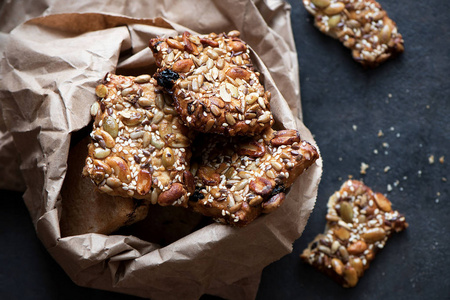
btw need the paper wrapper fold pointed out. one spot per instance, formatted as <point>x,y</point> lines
<point>50,68</point>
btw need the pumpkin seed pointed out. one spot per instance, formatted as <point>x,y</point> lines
<point>346,211</point>
<point>334,20</point>
<point>321,3</point>
<point>101,153</point>
<point>158,144</point>
<point>101,91</point>
<point>168,157</point>
<point>110,126</point>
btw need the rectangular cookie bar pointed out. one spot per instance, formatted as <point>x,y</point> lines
<point>213,83</point>
<point>139,148</point>
<point>237,179</point>
<point>359,223</point>
<point>361,25</point>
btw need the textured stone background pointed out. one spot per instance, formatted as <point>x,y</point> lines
<point>407,98</point>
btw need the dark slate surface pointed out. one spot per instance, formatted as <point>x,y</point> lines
<point>407,98</point>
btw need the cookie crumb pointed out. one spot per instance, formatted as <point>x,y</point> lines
<point>441,159</point>
<point>386,169</point>
<point>380,133</point>
<point>431,159</point>
<point>389,188</point>
<point>364,167</point>
<point>444,179</point>
<point>375,151</point>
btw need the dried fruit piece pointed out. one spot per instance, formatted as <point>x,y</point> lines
<point>217,75</point>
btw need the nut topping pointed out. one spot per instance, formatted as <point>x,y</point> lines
<point>120,168</point>
<point>273,203</point>
<point>170,196</point>
<point>261,186</point>
<point>183,66</point>
<point>252,149</point>
<point>144,182</point>
<point>285,137</point>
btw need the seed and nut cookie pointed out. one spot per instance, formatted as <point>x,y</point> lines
<point>361,25</point>
<point>239,178</point>
<point>139,148</point>
<point>214,85</point>
<point>359,223</point>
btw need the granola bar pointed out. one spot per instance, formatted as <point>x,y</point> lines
<point>239,178</point>
<point>213,83</point>
<point>359,223</point>
<point>139,148</point>
<point>361,25</point>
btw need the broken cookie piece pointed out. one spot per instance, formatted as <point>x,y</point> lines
<point>362,26</point>
<point>359,223</point>
<point>239,178</point>
<point>139,148</point>
<point>214,85</point>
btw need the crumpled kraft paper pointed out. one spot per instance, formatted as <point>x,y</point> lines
<point>50,68</point>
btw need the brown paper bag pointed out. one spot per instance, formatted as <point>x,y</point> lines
<point>50,68</point>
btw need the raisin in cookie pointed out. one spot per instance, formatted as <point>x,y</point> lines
<point>213,83</point>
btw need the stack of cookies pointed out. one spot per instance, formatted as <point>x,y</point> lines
<point>196,134</point>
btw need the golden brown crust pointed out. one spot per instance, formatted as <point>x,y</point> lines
<point>139,148</point>
<point>359,223</point>
<point>213,83</point>
<point>239,178</point>
<point>362,26</point>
